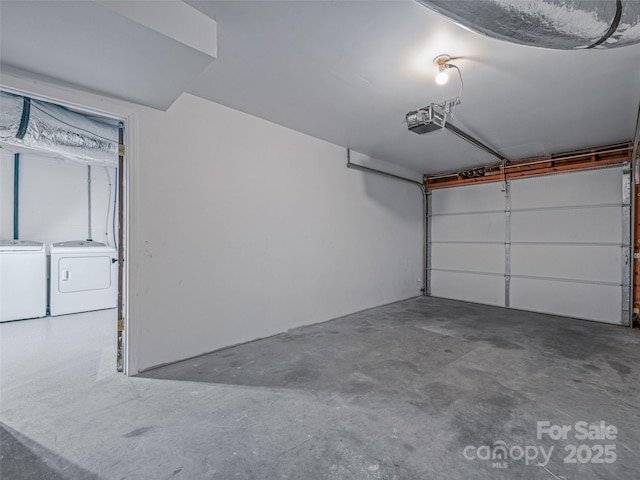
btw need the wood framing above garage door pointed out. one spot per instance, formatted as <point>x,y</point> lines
<point>556,243</point>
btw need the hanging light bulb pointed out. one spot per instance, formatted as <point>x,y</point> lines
<point>442,62</point>
<point>443,76</point>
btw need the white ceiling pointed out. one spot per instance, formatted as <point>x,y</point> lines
<point>90,46</point>
<point>349,71</point>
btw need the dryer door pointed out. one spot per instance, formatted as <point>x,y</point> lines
<point>80,274</point>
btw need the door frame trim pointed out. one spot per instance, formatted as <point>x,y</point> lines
<point>26,85</point>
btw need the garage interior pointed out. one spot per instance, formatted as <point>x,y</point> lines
<point>332,262</point>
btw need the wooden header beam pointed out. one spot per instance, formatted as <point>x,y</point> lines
<point>589,158</point>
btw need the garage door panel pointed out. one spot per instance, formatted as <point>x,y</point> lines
<point>485,289</point>
<point>561,239</point>
<point>597,263</point>
<point>479,227</point>
<point>579,225</point>
<point>601,303</point>
<point>472,198</point>
<point>587,187</point>
<point>476,257</point>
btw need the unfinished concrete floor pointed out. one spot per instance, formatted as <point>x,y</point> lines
<point>421,389</point>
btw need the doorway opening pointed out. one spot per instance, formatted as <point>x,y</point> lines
<point>62,239</point>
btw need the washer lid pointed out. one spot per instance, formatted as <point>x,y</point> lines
<point>20,246</point>
<point>79,243</point>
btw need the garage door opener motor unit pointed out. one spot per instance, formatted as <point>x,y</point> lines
<point>426,119</point>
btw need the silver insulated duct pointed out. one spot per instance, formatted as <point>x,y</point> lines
<point>44,127</point>
<point>557,24</point>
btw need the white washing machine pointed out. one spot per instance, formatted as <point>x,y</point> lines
<point>23,280</point>
<point>84,277</point>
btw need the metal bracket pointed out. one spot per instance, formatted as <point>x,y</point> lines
<point>429,244</point>
<point>626,248</point>
<point>507,241</point>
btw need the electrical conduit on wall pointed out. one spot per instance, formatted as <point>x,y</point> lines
<point>16,194</point>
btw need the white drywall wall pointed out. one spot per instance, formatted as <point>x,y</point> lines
<point>239,228</point>
<point>245,229</point>
<point>53,200</point>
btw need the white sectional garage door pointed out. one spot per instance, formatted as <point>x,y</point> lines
<point>556,244</point>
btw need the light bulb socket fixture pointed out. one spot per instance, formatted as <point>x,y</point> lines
<point>442,61</point>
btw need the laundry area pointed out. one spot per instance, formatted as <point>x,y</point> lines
<point>58,247</point>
